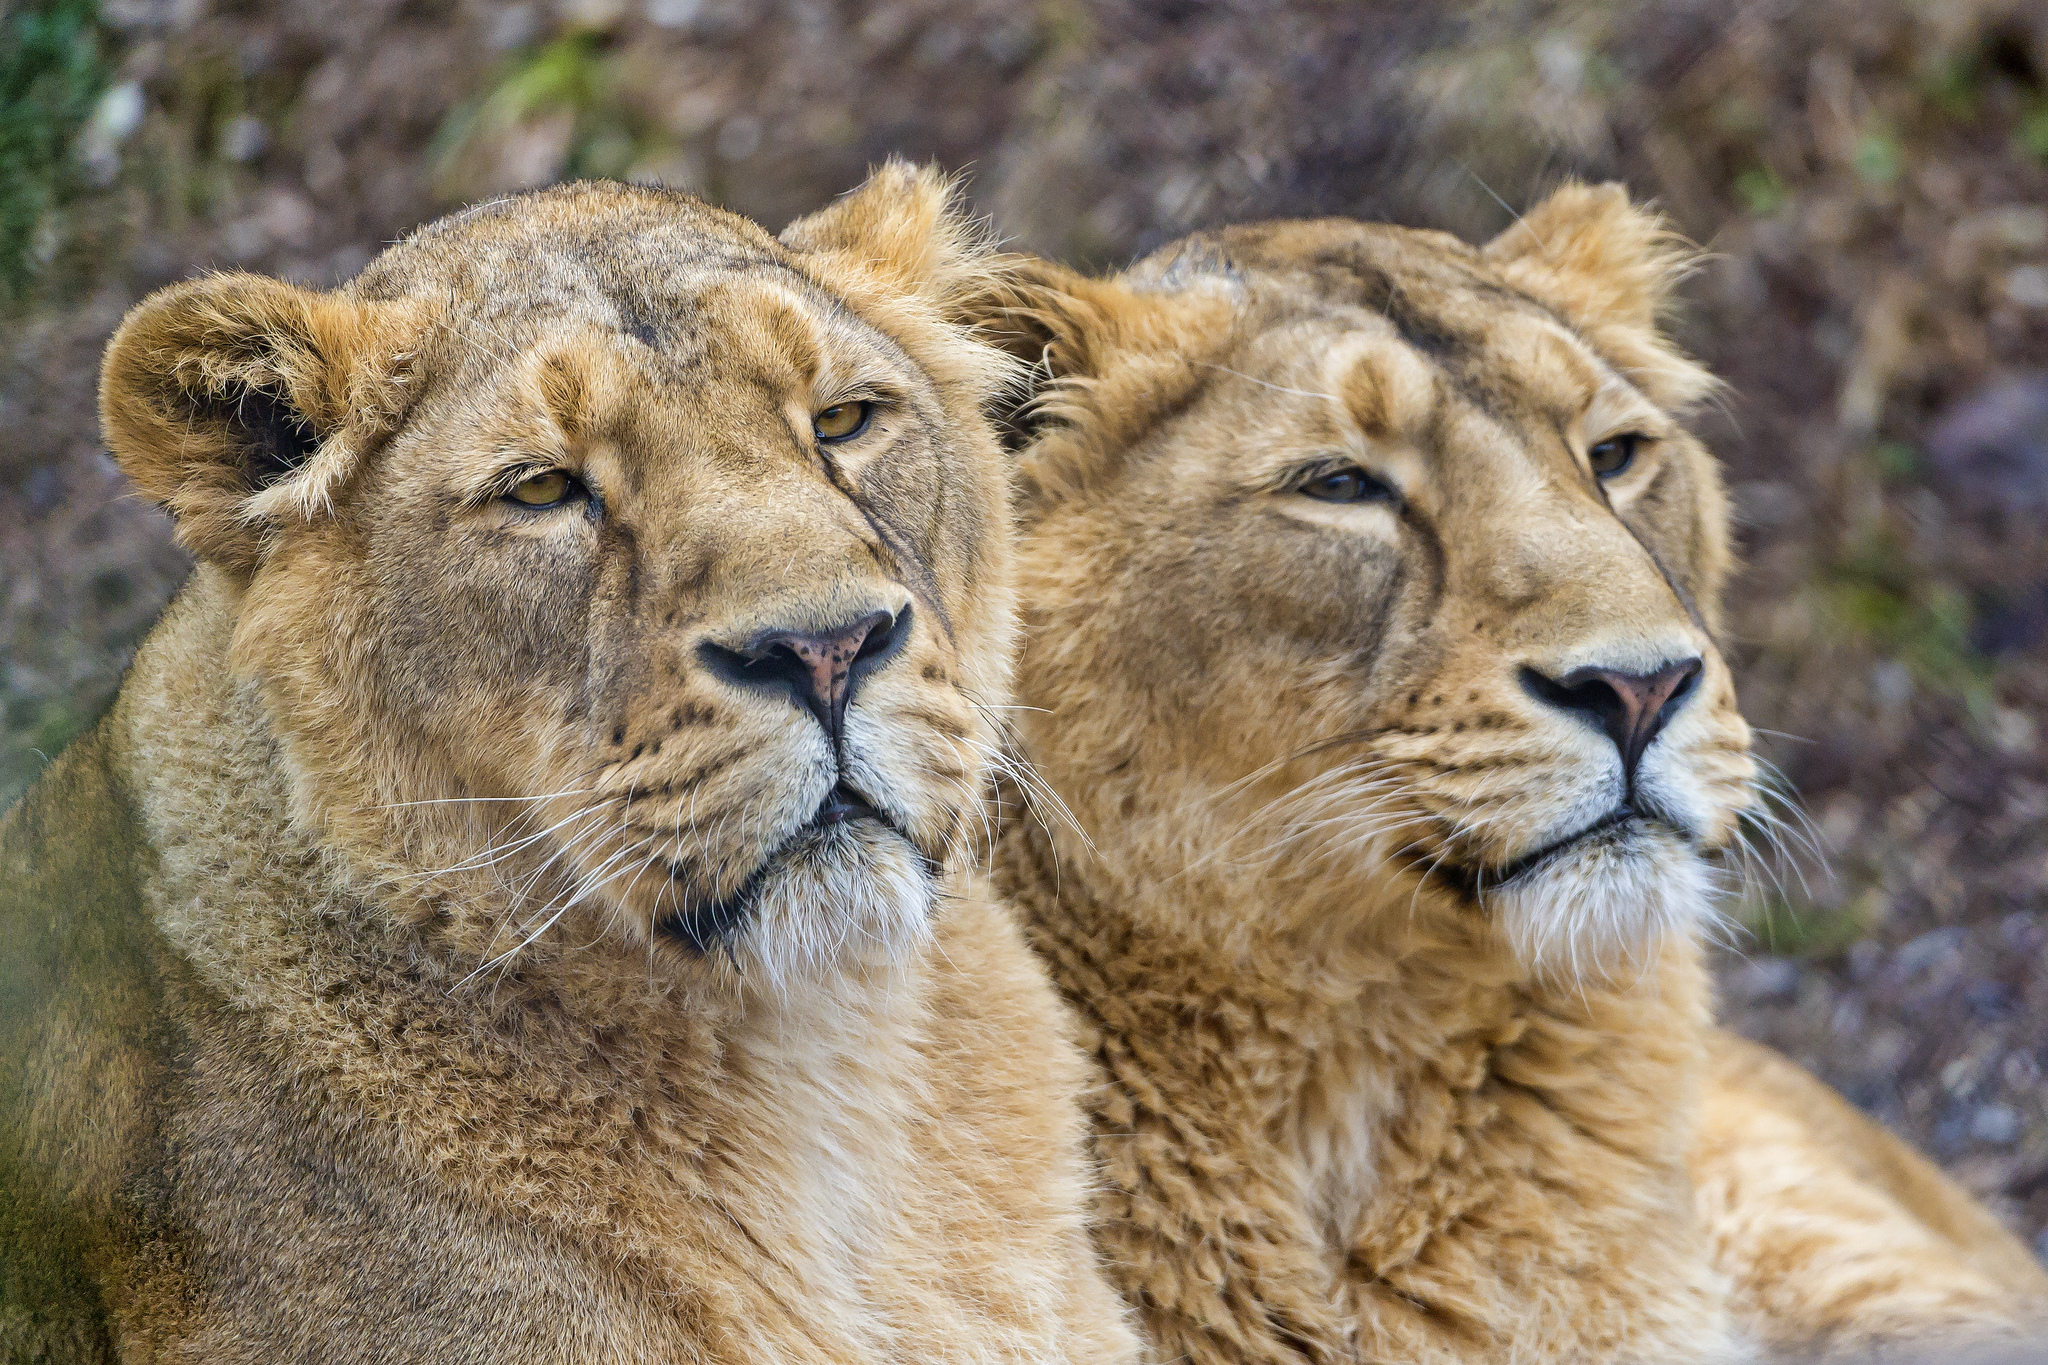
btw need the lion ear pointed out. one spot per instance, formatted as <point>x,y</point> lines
<point>1059,322</point>
<point>1610,268</point>
<point>1593,255</point>
<point>239,402</point>
<point>1101,358</point>
<point>905,229</point>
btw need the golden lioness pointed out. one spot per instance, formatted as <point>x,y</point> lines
<point>1371,587</point>
<point>512,911</point>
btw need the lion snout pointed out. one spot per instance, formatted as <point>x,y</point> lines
<point>819,666</point>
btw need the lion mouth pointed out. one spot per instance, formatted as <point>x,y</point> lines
<point>843,804</point>
<point>826,834</point>
<point>1614,827</point>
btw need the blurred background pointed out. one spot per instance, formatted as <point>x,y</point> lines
<point>1871,177</point>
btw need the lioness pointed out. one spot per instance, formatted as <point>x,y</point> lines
<point>512,911</point>
<point>1371,586</point>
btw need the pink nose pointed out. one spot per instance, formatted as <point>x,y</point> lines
<point>824,662</point>
<point>1631,707</point>
<point>818,666</point>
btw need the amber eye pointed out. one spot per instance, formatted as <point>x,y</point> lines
<point>543,490</point>
<point>1349,485</point>
<point>1613,455</point>
<point>841,421</point>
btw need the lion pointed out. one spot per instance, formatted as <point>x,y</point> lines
<point>1385,761</point>
<point>517,907</point>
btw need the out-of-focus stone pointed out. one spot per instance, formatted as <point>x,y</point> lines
<point>1997,1124</point>
<point>1935,947</point>
<point>2026,286</point>
<point>243,139</point>
<point>1991,447</point>
<point>1767,980</point>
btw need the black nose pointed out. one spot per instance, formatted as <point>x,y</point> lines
<point>1630,707</point>
<point>822,668</point>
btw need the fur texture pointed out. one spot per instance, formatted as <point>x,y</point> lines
<point>1389,956</point>
<point>463,941</point>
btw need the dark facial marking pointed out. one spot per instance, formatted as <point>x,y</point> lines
<point>904,560</point>
<point>635,323</point>
<point>618,544</point>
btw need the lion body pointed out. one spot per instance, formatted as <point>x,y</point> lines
<point>1402,1025</point>
<point>1442,1167</point>
<point>273,1088</point>
<point>1832,1232</point>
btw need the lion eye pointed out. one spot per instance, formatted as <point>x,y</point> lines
<point>1348,485</point>
<point>841,421</point>
<point>543,490</point>
<point>1613,455</point>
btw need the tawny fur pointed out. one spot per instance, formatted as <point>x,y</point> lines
<point>343,1016</point>
<point>1393,1064</point>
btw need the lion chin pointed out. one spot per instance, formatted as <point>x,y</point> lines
<point>1603,900</point>
<point>832,899</point>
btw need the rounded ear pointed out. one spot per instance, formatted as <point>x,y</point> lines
<point>238,402</point>
<point>1101,360</point>
<point>1610,268</point>
<point>905,228</point>
<point>1063,326</point>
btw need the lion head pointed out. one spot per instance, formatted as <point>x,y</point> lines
<point>1383,568</point>
<point>601,560</point>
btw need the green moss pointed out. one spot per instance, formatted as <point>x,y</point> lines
<point>570,75</point>
<point>51,73</point>
<point>1878,158</point>
<point>1760,190</point>
<point>1876,597</point>
<point>2032,134</point>
<point>1782,928</point>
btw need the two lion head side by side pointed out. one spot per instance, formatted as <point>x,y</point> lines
<point>1380,568</point>
<point>609,562</point>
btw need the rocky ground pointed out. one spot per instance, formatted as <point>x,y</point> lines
<point>1869,176</point>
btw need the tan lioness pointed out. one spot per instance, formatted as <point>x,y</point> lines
<point>1372,596</point>
<point>512,912</point>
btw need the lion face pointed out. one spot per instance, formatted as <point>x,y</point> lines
<point>609,564</point>
<point>1355,549</point>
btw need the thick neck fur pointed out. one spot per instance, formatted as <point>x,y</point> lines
<point>574,1088</point>
<point>1426,1153</point>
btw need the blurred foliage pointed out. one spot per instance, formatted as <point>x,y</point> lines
<point>1878,158</point>
<point>51,73</point>
<point>1895,460</point>
<point>1760,190</point>
<point>567,81</point>
<point>1955,85</point>
<point>1876,594</point>
<point>2032,133</point>
<point>1783,927</point>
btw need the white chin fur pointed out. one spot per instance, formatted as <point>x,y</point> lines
<point>857,897</point>
<point>1603,904</point>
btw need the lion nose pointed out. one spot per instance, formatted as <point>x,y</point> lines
<point>1631,707</point>
<point>821,667</point>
